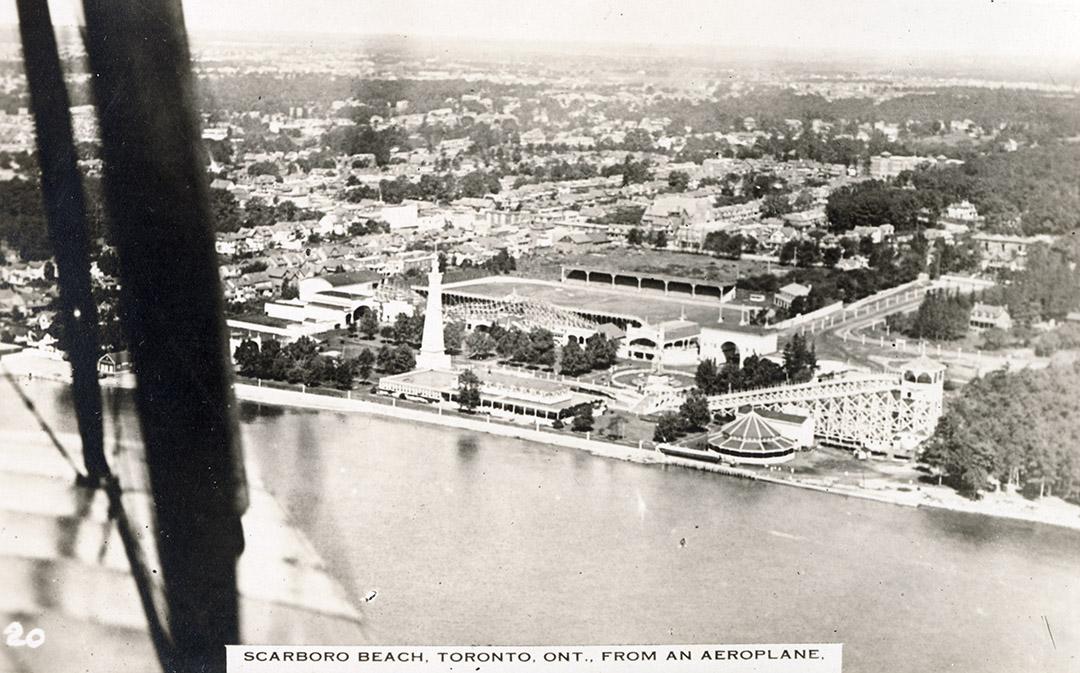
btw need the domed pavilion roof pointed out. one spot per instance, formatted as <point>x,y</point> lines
<point>749,434</point>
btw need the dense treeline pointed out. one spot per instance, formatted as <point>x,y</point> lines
<point>830,285</point>
<point>1018,428</point>
<point>1048,287</point>
<point>434,187</point>
<point>366,140</point>
<point>941,316</point>
<point>22,216</point>
<point>1038,185</point>
<point>230,217</point>
<point>1028,114</point>
<point>1032,191</point>
<point>873,203</point>
<point>301,362</point>
<point>599,353</point>
<point>800,363</point>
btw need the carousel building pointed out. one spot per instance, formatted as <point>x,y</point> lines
<point>751,439</point>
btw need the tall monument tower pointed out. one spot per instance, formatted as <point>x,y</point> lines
<point>432,350</point>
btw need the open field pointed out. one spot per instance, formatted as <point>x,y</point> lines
<point>646,305</point>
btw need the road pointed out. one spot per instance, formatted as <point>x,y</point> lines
<point>842,337</point>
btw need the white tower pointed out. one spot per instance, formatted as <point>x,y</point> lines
<point>922,394</point>
<point>432,350</point>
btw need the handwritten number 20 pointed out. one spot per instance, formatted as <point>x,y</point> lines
<point>14,632</point>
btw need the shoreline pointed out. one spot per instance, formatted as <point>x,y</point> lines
<point>1052,512</point>
<point>1058,514</point>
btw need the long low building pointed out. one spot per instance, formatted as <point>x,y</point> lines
<point>502,392</point>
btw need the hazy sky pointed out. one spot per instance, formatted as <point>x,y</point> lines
<point>1009,28</point>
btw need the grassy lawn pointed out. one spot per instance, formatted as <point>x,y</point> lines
<point>634,428</point>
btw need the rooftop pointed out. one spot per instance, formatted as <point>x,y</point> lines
<point>923,363</point>
<point>770,415</point>
<point>351,278</point>
<point>260,319</point>
<point>751,433</point>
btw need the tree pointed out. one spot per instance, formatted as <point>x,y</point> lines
<point>775,205</point>
<point>272,362</point>
<point>635,236</point>
<point>803,201</point>
<point>573,361</point>
<point>727,245</point>
<point>707,377</point>
<point>787,252</point>
<point>600,351</point>
<point>678,181</point>
<point>583,419</point>
<point>669,427</point>
<point>694,410</point>
<point>660,240</point>
<point>49,271</point>
<point>382,359</point>
<point>873,203</point>
<point>509,342</point>
<point>364,363</point>
<point>289,290</point>
<point>808,252</point>
<point>1018,427</point>
<point>964,459</point>
<point>403,329</point>
<point>537,348</point>
<point>369,324</point>
<point>480,344</point>
<point>478,184</point>
<point>995,338</point>
<point>314,370</point>
<point>343,373</point>
<point>800,360</point>
<point>832,256</point>
<point>453,335</point>
<point>398,360</point>
<point>616,427</point>
<point>941,315</point>
<point>247,358</point>
<point>468,391</point>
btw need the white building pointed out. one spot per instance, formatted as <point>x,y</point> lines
<point>987,316</point>
<point>789,293</point>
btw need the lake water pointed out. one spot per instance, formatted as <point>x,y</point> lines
<point>473,539</point>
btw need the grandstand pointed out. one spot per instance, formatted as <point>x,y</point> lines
<point>578,310</point>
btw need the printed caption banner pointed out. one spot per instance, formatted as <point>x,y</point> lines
<point>815,658</point>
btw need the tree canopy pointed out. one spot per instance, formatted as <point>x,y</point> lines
<point>1017,427</point>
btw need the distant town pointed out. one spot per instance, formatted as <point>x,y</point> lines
<point>801,271</point>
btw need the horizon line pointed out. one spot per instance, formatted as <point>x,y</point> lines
<point>920,58</point>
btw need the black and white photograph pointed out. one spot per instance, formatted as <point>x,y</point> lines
<point>504,336</point>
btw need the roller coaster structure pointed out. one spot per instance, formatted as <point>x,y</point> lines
<point>866,410</point>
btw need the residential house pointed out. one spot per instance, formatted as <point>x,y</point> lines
<point>987,316</point>
<point>789,293</point>
<point>111,364</point>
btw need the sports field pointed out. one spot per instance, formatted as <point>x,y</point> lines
<point>649,306</point>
